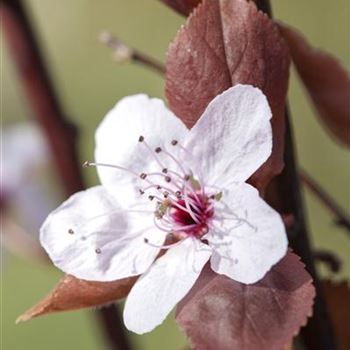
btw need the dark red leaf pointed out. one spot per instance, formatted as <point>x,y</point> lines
<point>222,44</point>
<point>184,7</point>
<point>326,81</point>
<point>72,294</point>
<point>219,313</point>
<point>337,296</point>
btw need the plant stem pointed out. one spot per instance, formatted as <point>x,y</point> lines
<point>125,53</point>
<point>340,216</point>
<point>61,134</point>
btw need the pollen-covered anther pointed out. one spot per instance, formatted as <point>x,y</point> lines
<point>167,178</point>
<point>98,251</point>
<point>70,231</point>
<point>141,192</point>
<point>151,198</point>
<point>174,142</point>
<point>143,176</point>
<point>158,150</point>
<point>165,171</point>
<point>178,194</point>
<point>187,177</point>
<point>141,138</point>
<point>166,194</point>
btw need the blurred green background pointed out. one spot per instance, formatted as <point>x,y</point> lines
<point>88,83</point>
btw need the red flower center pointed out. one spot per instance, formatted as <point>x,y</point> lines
<point>202,212</point>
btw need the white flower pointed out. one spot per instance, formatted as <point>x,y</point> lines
<point>162,182</point>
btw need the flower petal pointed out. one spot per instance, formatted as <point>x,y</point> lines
<point>91,238</point>
<point>248,236</point>
<point>117,142</point>
<point>168,280</point>
<point>233,137</point>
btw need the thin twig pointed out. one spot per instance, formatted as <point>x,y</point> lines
<point>124,53</point>
<point>341,218</point>
<point>61,135</point>
<point>332,261</point>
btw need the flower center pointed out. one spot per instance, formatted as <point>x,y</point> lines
<point>201,207</point>
<point>184,206</point>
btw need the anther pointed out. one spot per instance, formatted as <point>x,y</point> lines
<point>141,192</point>
<point>159,187</point>
<point>86,164</point>
<point>143,176</point>
<point>158,150</point>
<point>141,138</point>
<point>165,171</point>
<point>98,251</point>
<point>167,178</point>
<point>187,177</point>
<point>70,231</point>
<point>178,194</point>
<point>151,198</point>
<point>174,142</point>
<point>166,194</point>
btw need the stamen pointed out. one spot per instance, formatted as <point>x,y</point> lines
<point>88,164</point>
<point>151,151</point>
<point>98,251</point>
<point>175,160</point>
<point>158,150</point>
<point>151,198</point>
<point>141,138</point>
<point>70,231</point>
<point>167,178</point>
<point>174,142</point>
<point>165,170</point>
<point>143,176</point>
<point>164,246</point>
<point>188,207</point>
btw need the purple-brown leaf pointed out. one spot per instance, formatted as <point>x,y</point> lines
<point>184,7</point>
<point>226,42</point>
<point>72,294</point>
<point>219,313</point>
<point>326,81</point>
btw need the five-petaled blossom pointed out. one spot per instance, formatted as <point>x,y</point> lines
<point>169,189</point>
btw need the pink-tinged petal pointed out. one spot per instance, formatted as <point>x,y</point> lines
<point>326,81</point>
<point>219,313</point>
<point>168,280</point>
<point>91,238</point>
<point>117,142</point>
<point>233,137</point>
<point>225,43</point>
<point>248,237</point>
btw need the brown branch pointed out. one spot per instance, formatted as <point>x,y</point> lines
<point>60,134</point>
<point>286,198</point>
<point>340,216</point>
<point>124,53</point>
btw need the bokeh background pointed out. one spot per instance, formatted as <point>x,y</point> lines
<point>88,84</point>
